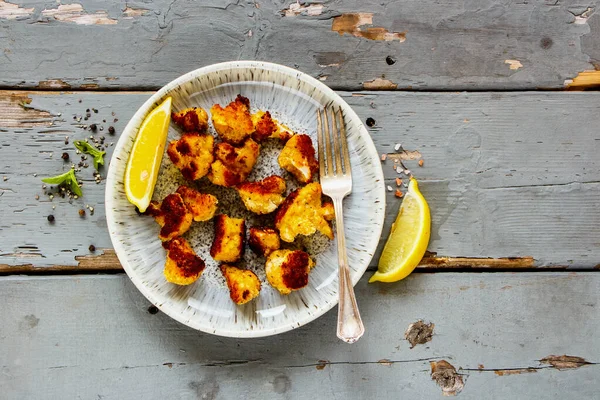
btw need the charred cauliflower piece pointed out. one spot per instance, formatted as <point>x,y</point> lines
<point>228,244</point>
<point>233,164</point>
<point>192,154</point>
<point>263,197</point>
<point>172,215</point>
<point>302,214</point>
<point>263,241</point>
<point>243,284</point>
<point>287,270</point>
<point>193,119</point>
<point>202,206</point>
<point>266,127</point>
<point>233,123</point>
<point>183,266</point>
<point>298,158</point>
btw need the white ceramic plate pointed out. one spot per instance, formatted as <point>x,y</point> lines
<point>293,98</point>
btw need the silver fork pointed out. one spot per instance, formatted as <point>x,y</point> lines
<point>337,184</point>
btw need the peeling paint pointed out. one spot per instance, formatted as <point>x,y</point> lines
<point>379,84</point>
<point>466,262</point>
<point>405,155</point>
<point>385,362</point>
<point>354,24</point>
<point>53,84</point>
<point>310,10</point>
<point>581,19</point>
<point>321,365</point>
<point>446,377</point>
<point>106,261</point>
<point>513,64</point>
<point>584,80</point>
<point>564,362</point>
<point>130,13</point>
<point>89,86</point>
<point>518,371</point>
<point>419,333</point>
<point>75,13</point>
<point>16,112</point>
<point>12,11</point>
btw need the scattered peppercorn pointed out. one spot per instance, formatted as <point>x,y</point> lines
<point>95,111</point>
<point>65,156</point>
<point>370,122</point>
<point>111,130</point>
<point>153,310</point>
<point>93,127</point>
<point>50,218</point>
<point>81,212</point>
<point>137,211</point>
<point>92,248</point>
<point>390,60</point>
<point>87,111</point>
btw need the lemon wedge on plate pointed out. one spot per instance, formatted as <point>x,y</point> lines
<point>144,160</point>
<point>408,239</point>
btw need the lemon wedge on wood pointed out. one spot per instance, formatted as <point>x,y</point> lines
<point>408,238</point>
<point>146,155</point>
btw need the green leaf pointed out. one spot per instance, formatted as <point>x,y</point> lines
<point>85,147</point>
<point>67,179</point>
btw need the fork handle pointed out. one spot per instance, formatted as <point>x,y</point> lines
<point>350,326</point>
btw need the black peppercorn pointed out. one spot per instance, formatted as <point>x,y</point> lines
<point>111,130</point>
<point>65,156</point>
<point>92,248</point>
<point>50,218</point>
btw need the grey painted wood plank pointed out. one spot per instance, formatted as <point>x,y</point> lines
<point>460,45</point>
<point>506,174</point>
<point>92,337</point>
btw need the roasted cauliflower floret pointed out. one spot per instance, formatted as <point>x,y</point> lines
<point>183,266</point>
<point>287,270</point>
<point>192,154</point>
<point>302,214</point>
<point>266,127</point>
<point>233,123</point>
<point>263,197</point>
<point>233,164</point>
<point>298,158</point>
<point>328,211</point>
<point>193,119</point>
<point>263,241</point>
<point>202,206</point>
<point>243,284</point>
<point>228,244</point>
<point>172,215</point>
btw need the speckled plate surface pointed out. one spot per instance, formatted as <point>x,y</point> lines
<point>293,98</point>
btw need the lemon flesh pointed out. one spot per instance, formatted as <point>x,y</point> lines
<point>146,155</point>
<point>408,238</point>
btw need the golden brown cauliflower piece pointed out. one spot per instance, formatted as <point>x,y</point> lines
<point>262,197</point>
<point>302,214</point>
<point>233,164</point>
<point>192,154</point>
<point>298,158</point>
<point>328,211</point>
<point>233,123</point>
<point>193,119</point>
<point>263,241</point>
<point>228,244</point>
<point>288,270</point>
<point>202,206</point>
<point>266,127</point>
<point>172,215</point>
<point>183,266</point>
<point>243,284</point>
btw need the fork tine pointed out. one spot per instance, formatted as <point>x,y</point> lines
<point>336,145</point>
<point>320,144</point>
<point>327,138</point>
<point>347,167</point>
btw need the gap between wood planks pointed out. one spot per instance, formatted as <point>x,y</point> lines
<point>107,263</point>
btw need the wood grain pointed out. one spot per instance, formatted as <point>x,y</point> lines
<point>512,179</point>
<point>459,45</point>
<point>93,337</point>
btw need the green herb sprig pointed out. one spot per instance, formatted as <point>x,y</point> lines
<point>67,179</point>
<point>85,147</point>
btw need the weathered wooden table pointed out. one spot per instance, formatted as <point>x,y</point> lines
<point>474,88</point>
